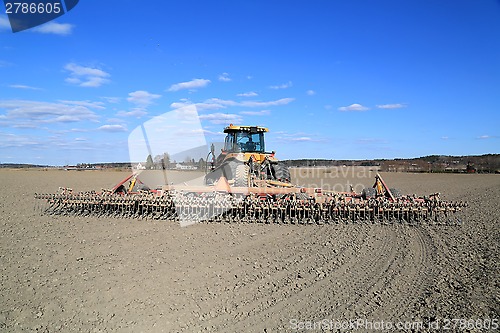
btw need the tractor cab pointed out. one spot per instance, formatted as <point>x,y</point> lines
<point>244,139</point>
<point>243,157</point>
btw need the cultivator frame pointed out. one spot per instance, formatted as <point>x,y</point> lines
<point>268,203</point>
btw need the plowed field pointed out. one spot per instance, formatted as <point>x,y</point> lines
<point>86,274</point>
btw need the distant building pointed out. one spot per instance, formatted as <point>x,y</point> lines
<point>139,166</point>
<point>179,166</point>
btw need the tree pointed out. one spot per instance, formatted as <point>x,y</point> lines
<point>149,162</point>
<point>158,161</point>
<point>166,160</point>
<point>201,164</point>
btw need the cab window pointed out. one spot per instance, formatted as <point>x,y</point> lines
<point>250,142</point>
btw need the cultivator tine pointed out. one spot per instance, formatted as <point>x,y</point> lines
<point>188,208</point>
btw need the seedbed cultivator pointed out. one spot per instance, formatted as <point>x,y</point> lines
<point>282,205</point>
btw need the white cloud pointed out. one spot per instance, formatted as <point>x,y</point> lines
<point>217,103</point>
<point>61,148</point>
<point>5,64</point>
<point>222,103</point>
<point>224,77</point>
<point>371,141</point>
<point>391,106</point>
<point>73,130</point>
<point>113,128</point>
<point>18,111</point>
<point>256,113</point>
<point>4,23</point>
<point>22,86</point>
<point>86,76</point>
<point>193,84</point>
<point>113,100</point>
<point>282,86</point>
<point>301,139</point>
<point>208,132</point>
<point>353,107</point>
<point>310,92</point>
<point>67,118</point>
<point>221,118</point>
<point>94,82</point>
<point>85,71</point>
<point>282,101</point>
<point>73,80</point>
<point>62,29</point>
<point>136,112</point>
<point>485,137</point>
<point>142,98</point>
<point>297,137</point>
<point>25,125</point>
<point>248,94</point>
<point>114,120</point>
<point>88,104</point>
<point>9,140</point>
<point>199,106</point>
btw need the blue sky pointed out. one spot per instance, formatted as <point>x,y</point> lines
<point>331,79</point>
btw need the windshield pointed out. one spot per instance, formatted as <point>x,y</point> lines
<point>244,142</point>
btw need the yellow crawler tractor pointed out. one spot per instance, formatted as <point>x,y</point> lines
<point>244,161</point>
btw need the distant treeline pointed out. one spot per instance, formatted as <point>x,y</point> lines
<point>489,163</point>
<point>330,163</point>
<point>83,166</point>
<point>21,166</point>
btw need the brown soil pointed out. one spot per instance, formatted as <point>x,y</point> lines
<point>75,274</point>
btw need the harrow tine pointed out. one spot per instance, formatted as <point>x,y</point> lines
<point>282,209</point>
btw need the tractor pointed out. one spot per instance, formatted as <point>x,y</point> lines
<point>244,161</point>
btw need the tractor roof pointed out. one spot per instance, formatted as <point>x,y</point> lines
<point>241,128</point>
